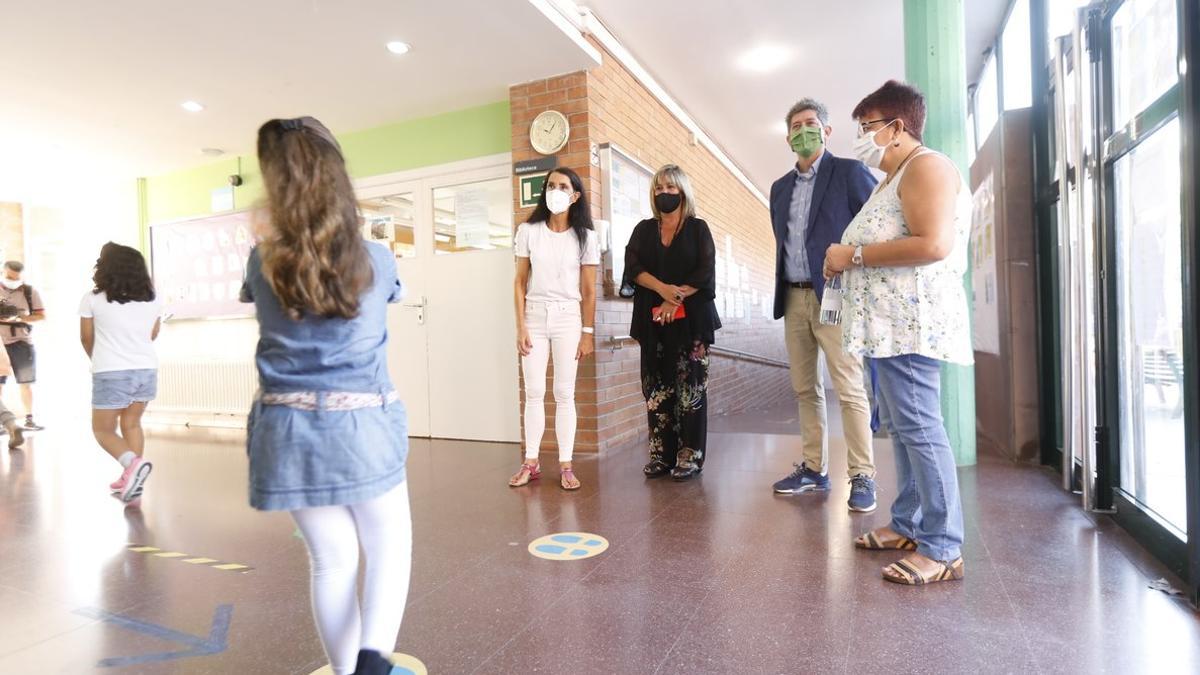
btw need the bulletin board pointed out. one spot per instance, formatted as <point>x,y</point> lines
<point>625,202</point>
<point>198,265</point>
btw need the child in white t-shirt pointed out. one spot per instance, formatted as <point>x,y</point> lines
<point>119,321</point>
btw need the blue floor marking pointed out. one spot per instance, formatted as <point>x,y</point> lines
<point>215,643</point>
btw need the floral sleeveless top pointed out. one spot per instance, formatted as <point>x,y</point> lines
<point>894,311</point>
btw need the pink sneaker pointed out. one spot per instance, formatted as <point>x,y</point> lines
<point>134,478</point>
<point>118,484</point>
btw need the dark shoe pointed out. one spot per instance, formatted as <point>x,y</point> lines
<point>372,663</point>
<point>862,494</point>
<point>656,469</point>
<point>803,479</point>
<point>30,425</point>
<point>685,466</point>
<point>17,439</point>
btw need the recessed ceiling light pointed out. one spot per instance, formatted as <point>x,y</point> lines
<point>780,128</point>
<point>212,152</point>
<point>191,106</point>
<point>398,47</point>
<point>764,58</point>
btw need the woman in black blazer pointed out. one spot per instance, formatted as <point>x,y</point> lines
<point>672,259</point>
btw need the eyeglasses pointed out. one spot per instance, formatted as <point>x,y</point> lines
<point>864,127</point>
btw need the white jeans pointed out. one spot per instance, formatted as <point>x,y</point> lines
<point>554,327</point>
<point>382,527</point>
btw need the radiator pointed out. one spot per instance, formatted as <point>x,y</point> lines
<point>205,388</point>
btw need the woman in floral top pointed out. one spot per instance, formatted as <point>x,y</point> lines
<point>905,308</point>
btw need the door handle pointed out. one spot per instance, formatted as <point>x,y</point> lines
<point>420,307</point>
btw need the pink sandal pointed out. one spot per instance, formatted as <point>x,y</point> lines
<point>562,481</point>
<point>529,472</point>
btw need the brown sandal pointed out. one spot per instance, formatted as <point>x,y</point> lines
<point>871,541</point>
<point>528,472</point>
<point>906,573</point>
<point>567,485</point>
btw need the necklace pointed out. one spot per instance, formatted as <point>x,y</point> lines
<point>901,166</point>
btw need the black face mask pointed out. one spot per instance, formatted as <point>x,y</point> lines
<point>667,202</point>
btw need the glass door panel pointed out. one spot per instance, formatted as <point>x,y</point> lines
<point>473,217</point>
<point>1150,314</point>
<point>389,220</point>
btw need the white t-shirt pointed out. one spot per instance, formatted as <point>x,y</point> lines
<point>123,333</point>
<point>554,261</point>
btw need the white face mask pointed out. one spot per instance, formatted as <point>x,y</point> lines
<point>867,151</point>
<point>558,201</point>
<point>13,284</point>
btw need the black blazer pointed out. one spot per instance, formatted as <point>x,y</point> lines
<point>690,260</point>
<point>842,187</point>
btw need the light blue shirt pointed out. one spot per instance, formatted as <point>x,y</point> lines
<point>795,265</point>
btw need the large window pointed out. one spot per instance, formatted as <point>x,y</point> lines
<point>1060,19</point>
<point>1015,47</point>
<point>987,100</point>
<point>1144,43</point>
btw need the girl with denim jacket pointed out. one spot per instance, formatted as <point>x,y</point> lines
<point>327,435</point>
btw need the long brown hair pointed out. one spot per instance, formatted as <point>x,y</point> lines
<point>313,256</point>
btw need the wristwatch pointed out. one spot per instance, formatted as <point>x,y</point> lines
<point>856,259</point>
<point>589,330</point>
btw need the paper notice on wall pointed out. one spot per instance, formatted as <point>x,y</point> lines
<point>471,217</point>
<point>740,299</point>
<point>985,330</point>
<point>720,271</point>
<point>745,274</point>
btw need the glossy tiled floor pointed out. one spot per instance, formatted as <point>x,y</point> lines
<point>713,576</point>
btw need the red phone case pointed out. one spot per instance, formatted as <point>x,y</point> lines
<point>657,310</point>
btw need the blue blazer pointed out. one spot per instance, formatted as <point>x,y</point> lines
<point>842,187</point>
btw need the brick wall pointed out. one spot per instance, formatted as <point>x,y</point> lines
<point>607,104</point>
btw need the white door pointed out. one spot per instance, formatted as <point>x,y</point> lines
<point>451,343</point>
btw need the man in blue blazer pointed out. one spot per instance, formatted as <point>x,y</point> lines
<point>810,208</point>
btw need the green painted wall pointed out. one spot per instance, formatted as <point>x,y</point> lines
<point>450,137</point>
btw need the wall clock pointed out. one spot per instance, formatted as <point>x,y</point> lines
<point>549,132</point>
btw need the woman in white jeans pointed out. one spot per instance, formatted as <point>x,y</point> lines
<point>555,296</point>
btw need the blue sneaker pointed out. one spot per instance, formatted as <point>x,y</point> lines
<point>802,479</point>
<point>862,494</point>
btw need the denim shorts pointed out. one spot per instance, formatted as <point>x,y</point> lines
<point>119,389</point>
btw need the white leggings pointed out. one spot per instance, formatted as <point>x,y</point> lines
<point>383,528</point>
<point>553,327</point>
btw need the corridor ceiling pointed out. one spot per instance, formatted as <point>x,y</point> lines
<point>105,80</point>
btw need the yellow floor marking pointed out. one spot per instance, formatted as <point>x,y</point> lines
<point>189,558</point>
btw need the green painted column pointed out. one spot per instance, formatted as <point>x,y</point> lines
<point>934,61</point>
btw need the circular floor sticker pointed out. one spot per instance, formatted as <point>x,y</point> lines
<point>568,546</point>
<point>402,664</point>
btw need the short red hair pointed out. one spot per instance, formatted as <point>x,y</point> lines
<point>896,101</point>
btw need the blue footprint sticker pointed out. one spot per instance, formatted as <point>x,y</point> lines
<point>568,546</point>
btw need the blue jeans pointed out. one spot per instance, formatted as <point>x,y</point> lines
<point>927,507</point>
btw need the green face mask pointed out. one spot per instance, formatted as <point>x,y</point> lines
<point>806,141</point>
